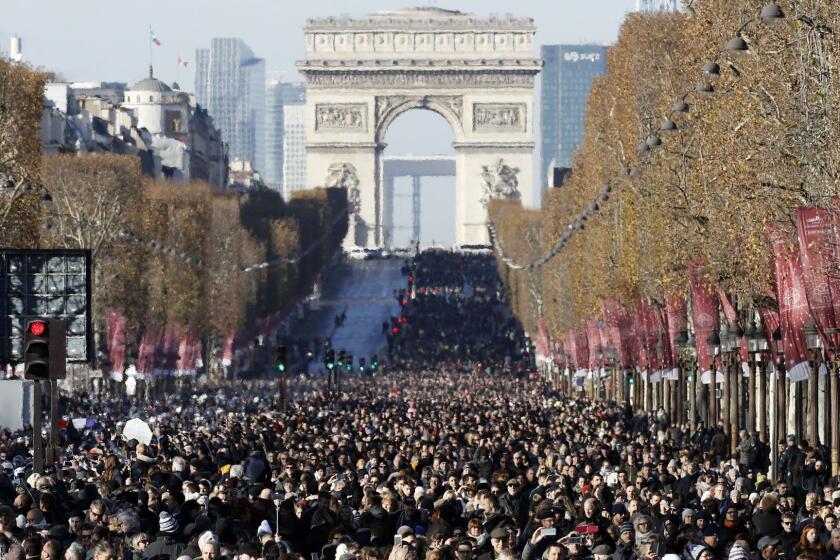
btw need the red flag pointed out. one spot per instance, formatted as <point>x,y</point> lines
<point>704,313</point>
<point>543,343</point>
<point>770,322</point>
<point>793,305</point>
<point>676,318</point>
<point>734,322</point>
<point>227,350</point>
<point>116,323</point>
<point>623,332</point>
<point>817,241</point>
<point>593,339</point>
<point>146,352</point>
<point>581,348</point>
<point>170,348</point>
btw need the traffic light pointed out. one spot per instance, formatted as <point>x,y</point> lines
<point>362,364</point>
<point>329,359</point>
<point>373,363</point>
<point>280,359</point>
<point>44,347</point>
<point>348,362</point>
<point>630,379</point>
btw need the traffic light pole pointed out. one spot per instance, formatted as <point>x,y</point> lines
<point>52,451</point>
<point>37,438</point>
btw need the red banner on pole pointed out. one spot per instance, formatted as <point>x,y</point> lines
<point>676,319</point>
<point>704,314</point>
<point>581,348</point>
<point>622,332</point>
<point>734,322</point>
<point>116,323</point>
<point>817,247</point>
<point>793,305</point>
<point>146,352</point>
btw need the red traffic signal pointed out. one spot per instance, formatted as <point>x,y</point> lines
<point>38,328</point>
<point>395,330</point>
<point>44,349</point>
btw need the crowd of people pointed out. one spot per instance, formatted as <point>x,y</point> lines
<point>422,463</point>
<point>457,318</point>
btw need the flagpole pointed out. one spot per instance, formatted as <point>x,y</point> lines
<point>149,39</point>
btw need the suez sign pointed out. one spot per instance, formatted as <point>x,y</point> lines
<point>575,56</point>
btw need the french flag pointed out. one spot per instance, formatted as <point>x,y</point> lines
<point>154,38</point>
<point>183,62</point>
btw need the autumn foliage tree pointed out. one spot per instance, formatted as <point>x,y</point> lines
<point>760,144</point>
<point>21,94</point>
<point>185,256</point>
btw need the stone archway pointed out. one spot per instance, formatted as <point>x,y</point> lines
<point>478,73</point>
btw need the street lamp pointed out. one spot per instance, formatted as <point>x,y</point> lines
<point>752,337</point>
<point>736,44</point>
<point>771,13</point>
<point>711,69</point>
<point>725,340</point>
<point>812,336</point>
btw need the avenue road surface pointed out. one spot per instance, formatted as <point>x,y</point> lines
<point>365,291</point>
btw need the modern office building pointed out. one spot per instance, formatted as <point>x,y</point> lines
<point>294,148</point>
<point>230,84</point>
<point>277,95</point>
<point>566,78</point>
<point>657,5</point>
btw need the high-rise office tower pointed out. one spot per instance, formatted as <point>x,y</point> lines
<point>230,84</point>
<point>566,78</point>
<point>294,148</point>
<point>277,95</point>
<point>657,5</point>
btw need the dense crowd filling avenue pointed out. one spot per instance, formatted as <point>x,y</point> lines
<point>452,453</point>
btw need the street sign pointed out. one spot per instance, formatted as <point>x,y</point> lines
<point>43,284</point>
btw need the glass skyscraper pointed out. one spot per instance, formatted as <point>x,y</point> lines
<point>657,5</point>
<point>566,78</point>
<point>230,84</point>
<point>277,95</point>
<point>294,148</point>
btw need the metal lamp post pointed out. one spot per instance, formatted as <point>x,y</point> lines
<point>713,350</point>
<point>814,343</point>
<point>834,391</point>
<point>726,367</point>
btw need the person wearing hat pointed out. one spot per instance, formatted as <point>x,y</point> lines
<point>700,552</point>
<point>498,544</point>
<point>626,542</point>
<point>515,501</point>
<point>166,542</point>
<point>602,551</point>
<point>410,515</point>
<point>767,548</point>
<point>618,514</point>
<point>711,538</point>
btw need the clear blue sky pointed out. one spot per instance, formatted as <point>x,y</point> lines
<point>110,41</point>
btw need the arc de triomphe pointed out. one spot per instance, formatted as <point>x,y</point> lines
<point>478,73</point>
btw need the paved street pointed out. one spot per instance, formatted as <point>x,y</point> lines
<point>364,290</point>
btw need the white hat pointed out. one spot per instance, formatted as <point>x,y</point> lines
<point>207,537</point>
<point>263,529</point>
